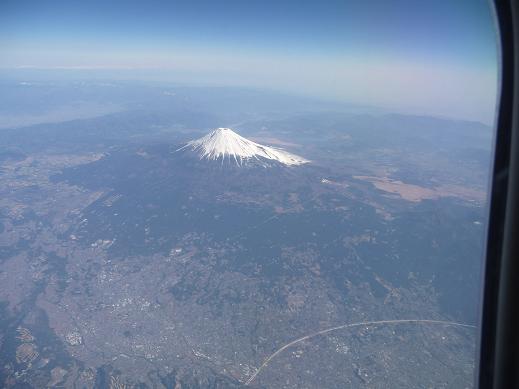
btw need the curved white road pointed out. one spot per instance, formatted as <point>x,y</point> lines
<point>350,325</point>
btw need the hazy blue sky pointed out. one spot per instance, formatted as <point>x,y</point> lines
<point>435,57</point>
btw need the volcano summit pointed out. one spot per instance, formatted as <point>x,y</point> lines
<point>225,143</point>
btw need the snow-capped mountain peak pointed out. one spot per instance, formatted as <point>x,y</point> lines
<point>225,143</point>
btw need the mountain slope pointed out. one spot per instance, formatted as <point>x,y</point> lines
<point>225,143</point>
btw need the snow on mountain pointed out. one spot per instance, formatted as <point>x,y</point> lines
<point>225,143</point>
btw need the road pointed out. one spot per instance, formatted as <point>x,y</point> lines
<point>350,325</point>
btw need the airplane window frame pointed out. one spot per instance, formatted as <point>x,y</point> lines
<point>499,343</point>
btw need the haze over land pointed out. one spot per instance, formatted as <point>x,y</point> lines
<point>143,264</point>
<point>437,58</point>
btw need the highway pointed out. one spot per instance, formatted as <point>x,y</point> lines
<point>350,325</point>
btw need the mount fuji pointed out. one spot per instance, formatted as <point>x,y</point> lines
<point>225,144</point>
